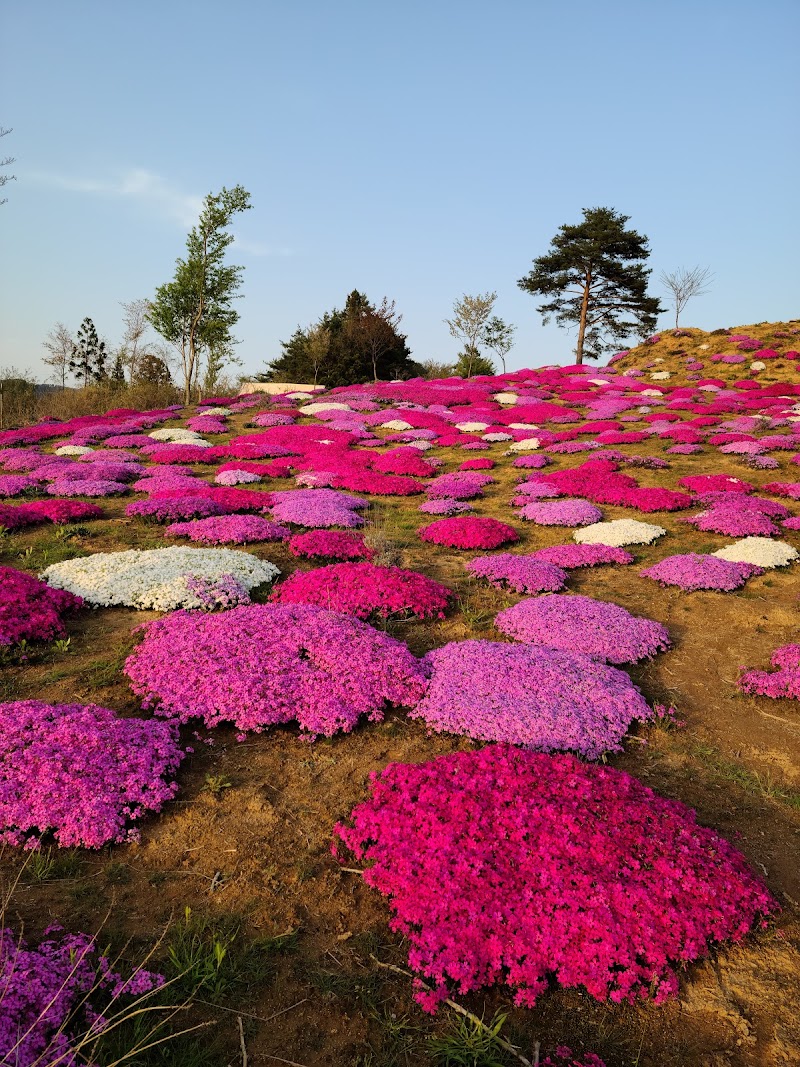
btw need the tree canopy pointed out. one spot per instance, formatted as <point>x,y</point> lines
<point>357,343</point>
<point>594,278</point>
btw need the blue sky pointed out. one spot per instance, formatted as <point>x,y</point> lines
<point>418,150</point>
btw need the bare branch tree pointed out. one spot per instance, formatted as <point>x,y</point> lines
<point>5,178</point>
<point>59,343</point>
<point>469,321</point>
<point>134,316</point>
<point>499,338</point>
<point>684,284</point>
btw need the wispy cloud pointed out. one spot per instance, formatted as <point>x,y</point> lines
<point>135,184</point>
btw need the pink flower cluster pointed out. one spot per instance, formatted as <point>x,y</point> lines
<point>784,681</point>
<point>30,610</point>
<point>80,772</point>
<point>366,590</point>
<point>595,628</point>
<point>530,695</point>
<point>469,532</point>
<point>569,556</point>
<point>173,509</point>
<point>330,544</point>
<point>45,991</point>
<point>318,508</point>
<point>694,571</point>
<point>508,866</point>
<point>523,574</point>
<point>264,664</point>
<point>229,530</point>
<point>574,512</point>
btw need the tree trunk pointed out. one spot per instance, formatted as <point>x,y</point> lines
<point>584,313</point>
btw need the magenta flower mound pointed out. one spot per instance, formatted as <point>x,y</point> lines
<point>523,574</point>
<point>366,590</point>
<point>62,511</point>
<point>595,628</point>
<point>542,698</point>
<point>569,556</point>
<point>515,867</point>
<point>229,530</point>
<point>81,772</point>
<point>14,484</point>
<point>734,522</point>
<point>561,513</point>
<point>469,531</point>
<point>30,610</point>
<point>704,483</point>
<point>45,994</point>
<point>170,509</point>
<point>330,544</point>
<point>782,682</point>
<point>694,571</point>
<point>264,664</point>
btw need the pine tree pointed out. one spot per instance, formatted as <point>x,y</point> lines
<point>87,362</point>
<point>595,278</point>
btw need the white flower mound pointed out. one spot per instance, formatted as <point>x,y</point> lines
<point>522,426</point>
<point>758,365</point>
<point>619,532</point>
<point>529,444</point>
<point>215,411</point>
<point>492,437</point>
<point>154,578</point>
<point>180,437</point>
<point>762,551</point>
<point>397,425</point>
<point>421,445</point>
<point>505,398</point>
<point>472,427</point>
<point>312,409</point>
<point>661,375</point>
<point>73,450</point>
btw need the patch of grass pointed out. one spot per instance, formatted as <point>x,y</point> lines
<point>117,873</point>
<point>468,1043</point>
<point>216,785</point>
<point>750,781</point>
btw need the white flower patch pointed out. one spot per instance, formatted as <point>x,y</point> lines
<point>523,426</point>
<point>154,578</point>
<point>661,375</point>
<point>312,409</point>
<point>529,444</point>
<point>505,398</point>
<point>180,437</point>
<point>472,427</point>
<point>762,551</point>
<point>651,392</point>
<point>490,437</point>
<point>73,450</point>
<point>397,425</point>
<point>619,532</point>
<point>758,365</point>
<point>215,411</point>
<point>422,445</point>
<point>599,381</point>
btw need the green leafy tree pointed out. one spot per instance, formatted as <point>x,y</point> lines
<point>117,377</point>
<point>474,324</point>
<point>594,277</point>
<point>357,343</point>
<point>470,362</point>
<point>498,337</point>
<point>152,370</point>
<point>194,311</point>
<point>87,361</point>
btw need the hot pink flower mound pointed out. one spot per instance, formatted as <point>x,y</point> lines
<point>569,556</point>
<point>529,695</point>
<point>704,483</point>
<point>366,590</point>
<point>45,996</point>
<point>523,574</point>
<point>782,682</point>
<point>30,610</point>
<point>507,866</point>
<point>229,530</point>
<point>469,532</point>
<point>80,772</point>
<point>61,511</point>
<point>694,571</point>
<point>596,628</point>
<point>264,664</point>
<point>330,544</point>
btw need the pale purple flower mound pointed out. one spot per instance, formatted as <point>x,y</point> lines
<point>561,513</point>
<point>30,610</point>
<point>172,509</point>
<point>538,697</point>
<point>229,530</point>
<point>265,664</point>
<point>694,571</point>
<point>44,991</point>
<point>523,574</point>
<point>14,484</point>
<point>508,866</point>
<point>214,594</point>
<point>446,506</point>
<point>595,628</point>
<point>469,532</point>
<point>366,590</point>
<point>330,544</point>
<point>569,556</point>
<point>318,508</point>
<point>782,682</point>
<point>80,772</point>
<point>85,487</point>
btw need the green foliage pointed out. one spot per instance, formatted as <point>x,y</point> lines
<point>194,311</point>
<point>216,784</point>
<point>475,325</point>
<point>470,363</point>
<point>470,1043</point>
<point>151,370</point>
<point>87,361</point>
<point>17,398</point>
<point>359,343</point>
<point>594,277</point>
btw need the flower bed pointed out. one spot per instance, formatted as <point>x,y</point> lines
<point>280,662</point>
<point>595,628</point>
<point>760,551</point>
<point>62,511</point>
<point>561,513</point>
<point>784,681</point>
<point>538,697</point>
<point>523,574</point>
<point>80,772</point>
<point>694,571</point>
<point>619,532</point>
<point>31,610</point>
<point>154,578</point>
<point>506,866</point>
<point>366,590</point>
<point>469,532</point>
<point>569,556</point>
<point>330,544</point>
<point>229,529</point>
